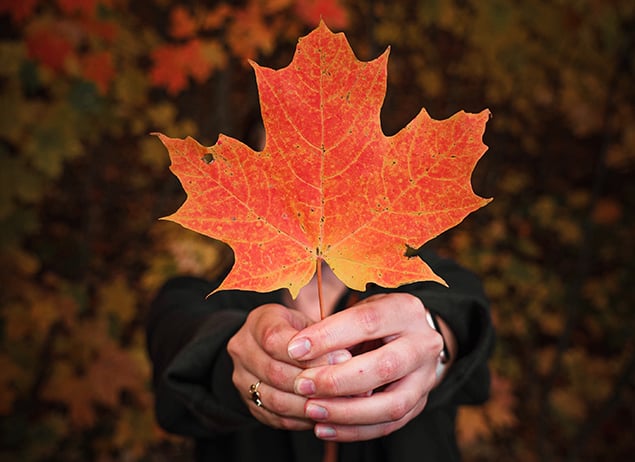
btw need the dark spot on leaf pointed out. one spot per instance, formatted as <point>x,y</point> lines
<point>411,251</point>
<point>208,158</point>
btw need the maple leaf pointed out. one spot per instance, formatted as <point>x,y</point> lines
<point>173,64</point>
<point>48,44</point>
<point>19,11</point>
<point>329,185</point>
<point>98,67</point>
<point>183,25</point>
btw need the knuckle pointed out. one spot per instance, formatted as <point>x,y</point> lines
<point>398,409</point>
<point>270,340</point>
<point>328,383</point>
<point>275,373</point>
<point>277,404</point>
<point>369,320</point>
<point>388,366</point>
<point>414,304</point>
<point>435,344</point>
<point>235,379</point>
<point>232,347</point>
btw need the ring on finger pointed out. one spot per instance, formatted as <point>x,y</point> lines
<point>254,394</point>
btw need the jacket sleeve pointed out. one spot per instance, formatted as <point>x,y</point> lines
<point>465,308</point>
<point>187,335</point>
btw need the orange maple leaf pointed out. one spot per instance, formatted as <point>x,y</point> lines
<point>329,185</point>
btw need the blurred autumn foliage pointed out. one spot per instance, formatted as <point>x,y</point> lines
<point>83,83</point>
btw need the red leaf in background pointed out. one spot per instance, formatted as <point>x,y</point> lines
<point>329,11</point>
<point>94,27</point>
<point>329,185</point>
<point>83,7</point>
<point>48,45</point>
<point>19,10</point>
<point>98,68</point>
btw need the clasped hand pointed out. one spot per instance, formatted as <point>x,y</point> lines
<point>359,374</point>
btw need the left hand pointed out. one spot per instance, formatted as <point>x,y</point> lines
<point>377,391</point>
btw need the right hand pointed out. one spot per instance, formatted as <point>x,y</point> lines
<point>259,352</point>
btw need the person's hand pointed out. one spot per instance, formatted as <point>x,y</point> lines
<point>377,391</point>
<point>259,353</point>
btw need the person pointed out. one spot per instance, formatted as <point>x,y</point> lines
<point>259,377</point>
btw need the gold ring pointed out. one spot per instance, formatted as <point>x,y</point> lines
<point>255,394</point>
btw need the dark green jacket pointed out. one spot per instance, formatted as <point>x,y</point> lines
<point>187,337</point>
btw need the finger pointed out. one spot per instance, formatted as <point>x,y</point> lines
<point>279,405</point>
<point>329,359</point>
<point>364,372</point>
<point>275,326</point>
<point>391,404</point>
<point>353,431</point>
<point>370,320</point>
<point>349,433</point>
<point>280,421</point>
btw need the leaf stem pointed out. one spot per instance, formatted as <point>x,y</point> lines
<point>330,447</point>
<point>318,270</point>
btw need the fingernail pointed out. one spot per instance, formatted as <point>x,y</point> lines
<point>315,412</point>
<point>304,386</point>
<point>339,357</point>
<point>325,432</point>
<point>299,347</point>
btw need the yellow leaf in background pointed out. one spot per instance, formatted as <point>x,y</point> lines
<point>161,115</point>
<point>135,430</point>
<point>67,387</point>
<point>214,53</point>
<point>112,372</point>
<point>551,323</point>
<point>117,298</point>
<point>498,413</point>
<point>43,314</point>
<point>152,153</point>
<point>471,425</point>
<point>568,403</point>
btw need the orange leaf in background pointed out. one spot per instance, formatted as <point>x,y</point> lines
<point>248,33</point>
<point>98,67</point>
<point>216,17</point>
<point>182,24</point>
<point>174,64</point>
<point>329,11</point>
<point>329,185</point>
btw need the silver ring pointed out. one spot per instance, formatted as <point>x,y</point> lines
<point>255,394</point>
